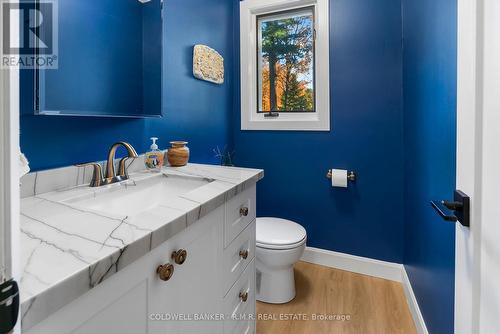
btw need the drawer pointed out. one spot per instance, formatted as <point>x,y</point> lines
<point>234,306</point>
<point>240,211</point>
<point>237,256</point>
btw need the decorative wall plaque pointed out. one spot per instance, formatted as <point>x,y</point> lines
<point>208,64</point>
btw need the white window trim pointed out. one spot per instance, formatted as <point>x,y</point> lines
<point>250,119</point>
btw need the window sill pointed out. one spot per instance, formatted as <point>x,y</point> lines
<point>292,123</point>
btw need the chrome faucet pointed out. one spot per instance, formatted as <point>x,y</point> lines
<point>110,177</point>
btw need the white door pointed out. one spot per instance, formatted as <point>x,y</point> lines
<point>477,273</point>
<point>489,286</point>
<point>9,175</point>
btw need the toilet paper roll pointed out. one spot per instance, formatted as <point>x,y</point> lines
<point>339,178</point>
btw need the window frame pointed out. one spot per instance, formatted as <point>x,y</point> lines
<point>250,11</point>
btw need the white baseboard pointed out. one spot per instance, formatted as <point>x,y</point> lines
<point>413,304</point>
<point>366,266</point>
<point>356,264</point>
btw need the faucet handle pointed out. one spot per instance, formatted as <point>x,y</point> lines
<point>122,167</point>
<point>97,178</point>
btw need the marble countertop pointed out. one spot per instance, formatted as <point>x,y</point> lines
<point>67,250</point>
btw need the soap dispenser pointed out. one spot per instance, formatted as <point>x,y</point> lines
<point>154,158</point>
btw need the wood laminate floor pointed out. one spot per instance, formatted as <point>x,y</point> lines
<point>373,305</point>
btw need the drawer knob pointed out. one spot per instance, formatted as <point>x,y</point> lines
<point>244,254</point>
<point>165,271</point>
<point>244,211</point>
<point>244,296</point>
<point>179,256</point>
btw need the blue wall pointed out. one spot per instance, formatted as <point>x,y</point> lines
<point>402,163</point>
<point>429,67</point>
<point>194,110</point>
<point>366,136</point>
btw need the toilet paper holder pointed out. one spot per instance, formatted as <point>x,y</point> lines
<point>351,176</point>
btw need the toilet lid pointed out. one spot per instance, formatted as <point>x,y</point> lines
<point>277,232</point>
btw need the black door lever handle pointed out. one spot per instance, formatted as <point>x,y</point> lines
<point>442,209</point>
<point>453,205</point>
<point>456,210</point>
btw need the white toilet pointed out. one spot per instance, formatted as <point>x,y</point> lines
<point>280,244</point>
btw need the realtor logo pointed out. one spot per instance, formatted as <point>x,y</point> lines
<point>29,36</point>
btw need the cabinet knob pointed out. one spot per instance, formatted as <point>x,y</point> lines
<point>165,271</point>
<point>244,211</point>
<point>179,256</point>
<point>244,254</point>
<point>244,296</point>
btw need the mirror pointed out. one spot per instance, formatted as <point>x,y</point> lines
<point>110,60</point>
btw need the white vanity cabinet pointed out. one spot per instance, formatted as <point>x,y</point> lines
<point>215,282</point>
<point>191,291</point>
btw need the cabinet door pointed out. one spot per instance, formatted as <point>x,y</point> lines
<point>176,305</point>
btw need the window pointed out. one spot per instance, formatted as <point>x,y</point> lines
<point>286,61</point>
<point>284,65</point>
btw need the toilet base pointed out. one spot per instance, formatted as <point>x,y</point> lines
<point>276,286</point>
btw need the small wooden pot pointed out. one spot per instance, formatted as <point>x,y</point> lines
<point>178,154</point>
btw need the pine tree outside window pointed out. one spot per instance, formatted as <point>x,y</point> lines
<point>286,61</point>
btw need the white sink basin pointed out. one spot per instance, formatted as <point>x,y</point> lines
<point>133,197</point>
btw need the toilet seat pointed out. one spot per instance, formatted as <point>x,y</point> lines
<point>277,233</point>
<point>280,247</point>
